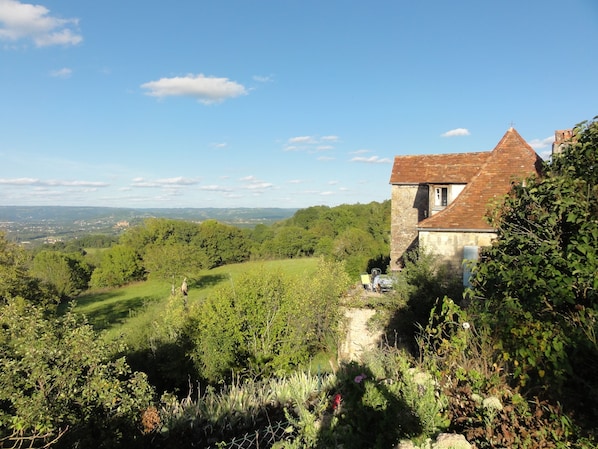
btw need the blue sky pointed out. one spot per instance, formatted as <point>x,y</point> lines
<point>277,103</point>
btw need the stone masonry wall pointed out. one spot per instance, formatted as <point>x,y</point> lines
<point>449,245</point>
<point>409,206</point>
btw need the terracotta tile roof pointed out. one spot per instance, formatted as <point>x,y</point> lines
<point>456,168</point>
<point>511,160</point>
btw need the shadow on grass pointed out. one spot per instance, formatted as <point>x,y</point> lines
<point>108,309</point>
<point>366,412</point>
<point>167,366</point>
<point>116,313</point>
<point>358,411</point>
<point>209,280</point>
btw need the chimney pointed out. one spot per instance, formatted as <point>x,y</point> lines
<point>561,137</point>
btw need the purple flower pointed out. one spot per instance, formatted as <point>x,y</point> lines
<point>360,378</point>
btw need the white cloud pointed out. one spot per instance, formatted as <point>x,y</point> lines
<point>538,144</point>
<point>50,183</point>
<point>301,139</point>
<point>178,181</point>
<point>456,132</point>
<point>26,21</point>
<point>19,181</point>
<point>259,185</point>
<point>64,73</point>
<point>310,143</point>
<point>206,89</point>
<point>216,188</point>
<point>372,160</point>
<point>164,182</point>
<point>263,79</point>
<point>252,183</point>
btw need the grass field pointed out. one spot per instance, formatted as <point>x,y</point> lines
<point>124,311</point>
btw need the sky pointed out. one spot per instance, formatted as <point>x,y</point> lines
<point>274,103</point>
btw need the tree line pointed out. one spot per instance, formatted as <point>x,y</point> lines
<point>163,248</point>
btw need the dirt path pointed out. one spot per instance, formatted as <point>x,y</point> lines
<point>358,337</point>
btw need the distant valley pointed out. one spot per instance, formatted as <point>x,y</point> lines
<point>47,224</point>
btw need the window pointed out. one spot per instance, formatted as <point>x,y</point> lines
<point>441,197</point>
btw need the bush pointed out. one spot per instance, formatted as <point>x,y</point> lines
<point>58,383</point>
<point>267,322</point>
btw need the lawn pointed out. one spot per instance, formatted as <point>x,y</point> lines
<point>124,311</point>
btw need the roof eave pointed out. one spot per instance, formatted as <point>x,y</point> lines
<point>480,230</point>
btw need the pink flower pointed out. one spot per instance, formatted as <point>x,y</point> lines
<point>360,378</point>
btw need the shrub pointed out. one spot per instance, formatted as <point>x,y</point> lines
<point>58,383</point>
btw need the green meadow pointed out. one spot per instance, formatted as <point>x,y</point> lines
<point>128,311</point>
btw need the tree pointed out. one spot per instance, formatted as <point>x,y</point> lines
<point>67,273</point>
<point>267,322</point>
<point>537,284</point>
<point>222,244</point>
<point>58,383</point>
<point>289,242</point>
<point>120,265</point>
<point>15,280</point>
<point>173,260</point>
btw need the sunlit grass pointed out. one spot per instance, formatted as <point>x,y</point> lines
<point>131,311</point>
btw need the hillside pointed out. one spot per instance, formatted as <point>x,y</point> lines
<point>50,223</point>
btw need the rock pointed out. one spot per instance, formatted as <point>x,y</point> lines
<point>451,441</point>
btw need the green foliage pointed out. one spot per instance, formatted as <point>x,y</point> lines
<point>417,289</point>
<point>289,242</point>
<point>222,244</point>
<point>472,371</point>
<point>67,273</point>
<point>355,234</point>
<point>57,382</point>
<point>267,321</point>
<point>15,280</point>
<point>537,284</point>
<point>120,265</point>
<point>172,248</point>
<point>169,261</point>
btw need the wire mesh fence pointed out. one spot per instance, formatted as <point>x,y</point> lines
<point>262,438</point>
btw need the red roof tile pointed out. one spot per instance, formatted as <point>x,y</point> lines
<point>511,160</point>
<point>456,168</point>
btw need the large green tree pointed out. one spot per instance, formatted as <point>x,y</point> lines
<point>222,244</point>
<point>67,273</point>
<point>537,286</point>
<point>119,265</point>
<point>15,279</point>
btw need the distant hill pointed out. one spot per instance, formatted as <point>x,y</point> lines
<point>35,223</point>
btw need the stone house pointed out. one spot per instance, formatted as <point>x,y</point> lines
<point>440,202</point>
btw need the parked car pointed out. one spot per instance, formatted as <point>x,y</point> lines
<point>383,283</point>
<point>376,281</point>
